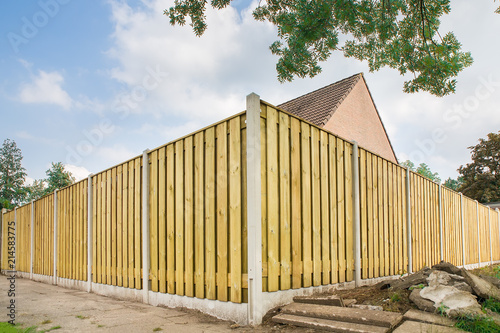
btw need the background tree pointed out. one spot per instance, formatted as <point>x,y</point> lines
<point>403,35</point>
<point>423,169</point>
<point>12,175</point>
<point>481,178</point>
<point>57,178</point>
<point>453,184</point>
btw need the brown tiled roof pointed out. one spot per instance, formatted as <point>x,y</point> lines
<point>318,106</point>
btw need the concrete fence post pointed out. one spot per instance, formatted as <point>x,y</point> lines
<point>255,311</point>
<point>463,227</point>
<point>356,214</point>
<point>491,245</point>
<point>32,238</point>
<point>408,221</point>
<point>89,234</point>
<point>145,226</point>
<point>478,234</point>
<point>55,238</point>
<point>441,245</point>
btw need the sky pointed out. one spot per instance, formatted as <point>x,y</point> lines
<point>94,83</point>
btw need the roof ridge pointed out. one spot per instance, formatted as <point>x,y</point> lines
<point>331,84</point>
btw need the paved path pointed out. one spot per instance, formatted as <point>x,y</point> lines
<point>78,311</point>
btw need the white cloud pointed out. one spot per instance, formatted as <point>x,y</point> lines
<point>115,154</point>
<point>46,88</point>
<point>77,171</point>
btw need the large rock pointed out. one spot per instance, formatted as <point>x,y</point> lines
<point>443,278</point>
<point>481,287</point>
<point>491,279</point>
<point>422,303</point>
<point>447,267</point>
<point>449,298</point>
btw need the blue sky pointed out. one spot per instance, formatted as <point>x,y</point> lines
<point>94,83</point>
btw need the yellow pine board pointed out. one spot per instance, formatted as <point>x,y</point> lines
<point>126,233</point>
<point>284,205</point>
<point>363,213</point>
<point>316,206</point>
<point>334,244</point>
<point>153,218</point>
<point>210,193</point>
<point>162,230</point>
<point>349,234</point>
<point>325,213</point>
<point>199,227</point>
<point>179,217</point>
<point>235,209</point>
<point>137,220</point>
<point>306,204</point>
<point>170,217</point>
<point>341,211</point>
<point>222,215</point>
<point>188,217</point>
<point>295,194</point>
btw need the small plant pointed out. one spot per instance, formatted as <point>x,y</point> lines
<point>81,317</point>
<point>442,309</point>
<point>100,325</point>
<point>418,286</point>
<point>477,324</point>
<point>9,328</point>
<point>46,321</point>
<point>497,271</point>
<point>157,329</point>
<point>395,297</point>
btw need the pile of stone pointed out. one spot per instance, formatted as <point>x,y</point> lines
<point>447,289</point>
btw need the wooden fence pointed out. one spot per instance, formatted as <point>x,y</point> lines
<point>190,196</point>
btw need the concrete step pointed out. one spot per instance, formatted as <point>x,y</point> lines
<point>426,317</point>
<point>320,299</point>
<point>350,315</point>
<point>416,327</point>
<point>327,325</point>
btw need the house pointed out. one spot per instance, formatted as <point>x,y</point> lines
<point>346,109</point>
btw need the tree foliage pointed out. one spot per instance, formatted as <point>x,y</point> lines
<point>423,169</point>
<point>400,34</point>
<point>481,178</point>
<point>57,178</point>
<point>453,184</point>
<point>12,175</point>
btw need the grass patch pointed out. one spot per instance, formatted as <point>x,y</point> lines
<point>46,321</point>
<point>492,304</point>
<point>81,317</point>
<point>395,297</point>
<point>100,326</point>
<point>51,329</point>
<point>9,328</point>
<point>157,329</point>
<point>477,324</point>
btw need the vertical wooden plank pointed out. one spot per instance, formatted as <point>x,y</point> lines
<point>126,233</point>
<point>235,208</point>
<point>263,189</point>
<point>199,227</point>
<point>162,230</point>
<point>306,204</point>
<point>296,204</point>
<point>390,195</point>
<point>171,250</point>
<point>316,206</point>
<point>364,213</point>
<point>210,235</point>
<point>137,219</point>
<point>153,218</point>
<point>179,217</point>
<point>341,210</point>
<point>325,209</point>
<point>98,229</point>
<point>244,210</point>
<point>349,240</point>
<point>188,217</point>
<point>131,226</point>
<point>370,218</point>
<point>113,227</point>
<point>273,236</point>
<point>381,215</point>
<point>222,228</point>
<point>386,203</point>
<point>284,205</point>
<point>108,228</point>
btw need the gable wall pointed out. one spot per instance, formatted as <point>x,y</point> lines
<point>357,119</point>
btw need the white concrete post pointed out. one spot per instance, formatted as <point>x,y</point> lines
<point>478,235</point>
<point>254,214</point>
<point>491,245</point>
<point>145,226</point>
<point>55,237</point>
<point>356,215</point>
<point>408,221</point>
<point>441,222</point>
<point>89,234</point>
<point>32,239</point>
<point>463,228</point>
